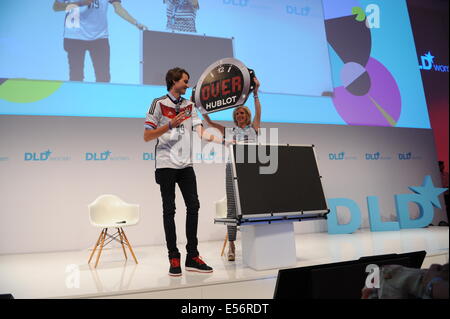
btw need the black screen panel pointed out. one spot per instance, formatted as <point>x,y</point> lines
<point>342,280</point>
<point>294,187</point>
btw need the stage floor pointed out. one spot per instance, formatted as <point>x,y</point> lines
<point>67,274</point>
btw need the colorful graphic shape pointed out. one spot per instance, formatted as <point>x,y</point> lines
<point>369,94</point>
<point>27,91</point>
<point>350,39</point>
<point>380,106</point>
<point>355,78</point>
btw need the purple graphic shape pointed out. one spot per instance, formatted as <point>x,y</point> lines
<point>360,110</point>
<point>355,78</point>
<point>351,72</point>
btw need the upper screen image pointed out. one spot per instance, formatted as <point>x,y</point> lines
<point>111,40</point>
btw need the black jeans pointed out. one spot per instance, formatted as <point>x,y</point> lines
<point>99,51</point>
<point>186,180</point>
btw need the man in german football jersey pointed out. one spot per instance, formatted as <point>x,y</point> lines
<point>86,29</point>
<point>172,120</point>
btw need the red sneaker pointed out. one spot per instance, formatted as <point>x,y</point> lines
<point>175,268</point>
<point>197,264</point>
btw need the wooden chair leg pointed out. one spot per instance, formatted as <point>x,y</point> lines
<point>95,247</point>
<point>105,231</point>
<point>129,245</point>
<point>122,241</point>
<point>224,244</point>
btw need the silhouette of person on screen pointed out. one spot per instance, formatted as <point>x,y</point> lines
<point>181,15</point>
<point>245,131</point>
<point>86,29</point>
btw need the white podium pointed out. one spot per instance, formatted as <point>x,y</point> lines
<point>268,203</point>
<point>268,246</point>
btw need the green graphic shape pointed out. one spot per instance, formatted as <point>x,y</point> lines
<point>27,91</point>
<point>360,14</point>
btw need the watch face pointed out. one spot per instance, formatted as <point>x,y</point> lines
<point>223,85</point>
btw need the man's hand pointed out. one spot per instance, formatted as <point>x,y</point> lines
<point>177,120</point>
<point>141,26</point>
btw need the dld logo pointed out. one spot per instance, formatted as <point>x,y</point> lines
<point>298,11</point>
<point>405,156</point>
<point>239,3</point>
<point>205,157</point>
<point>43,156</point>
<point>148,156</point>
<point>427,61</point>
<point>425,197</point>
<point>98,156</point>
<point>376,156</point>
<point>337,157</point>
<point>373,157</point>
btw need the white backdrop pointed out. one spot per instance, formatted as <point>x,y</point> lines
<point>44,197</point>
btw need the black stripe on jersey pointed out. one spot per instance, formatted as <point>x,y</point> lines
<point>152,108</point>
<point>178,101</point>
<point>156,147</point>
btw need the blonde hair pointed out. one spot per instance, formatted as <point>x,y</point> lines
<point>246,110</point>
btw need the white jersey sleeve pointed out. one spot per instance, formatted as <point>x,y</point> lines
<point>195,119</point>
<point>153,117</point>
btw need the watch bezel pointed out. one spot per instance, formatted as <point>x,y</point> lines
<point>245,89</point>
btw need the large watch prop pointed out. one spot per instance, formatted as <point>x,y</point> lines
<point>225,84</point>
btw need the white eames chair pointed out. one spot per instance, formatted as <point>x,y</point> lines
<point>109,211</point>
